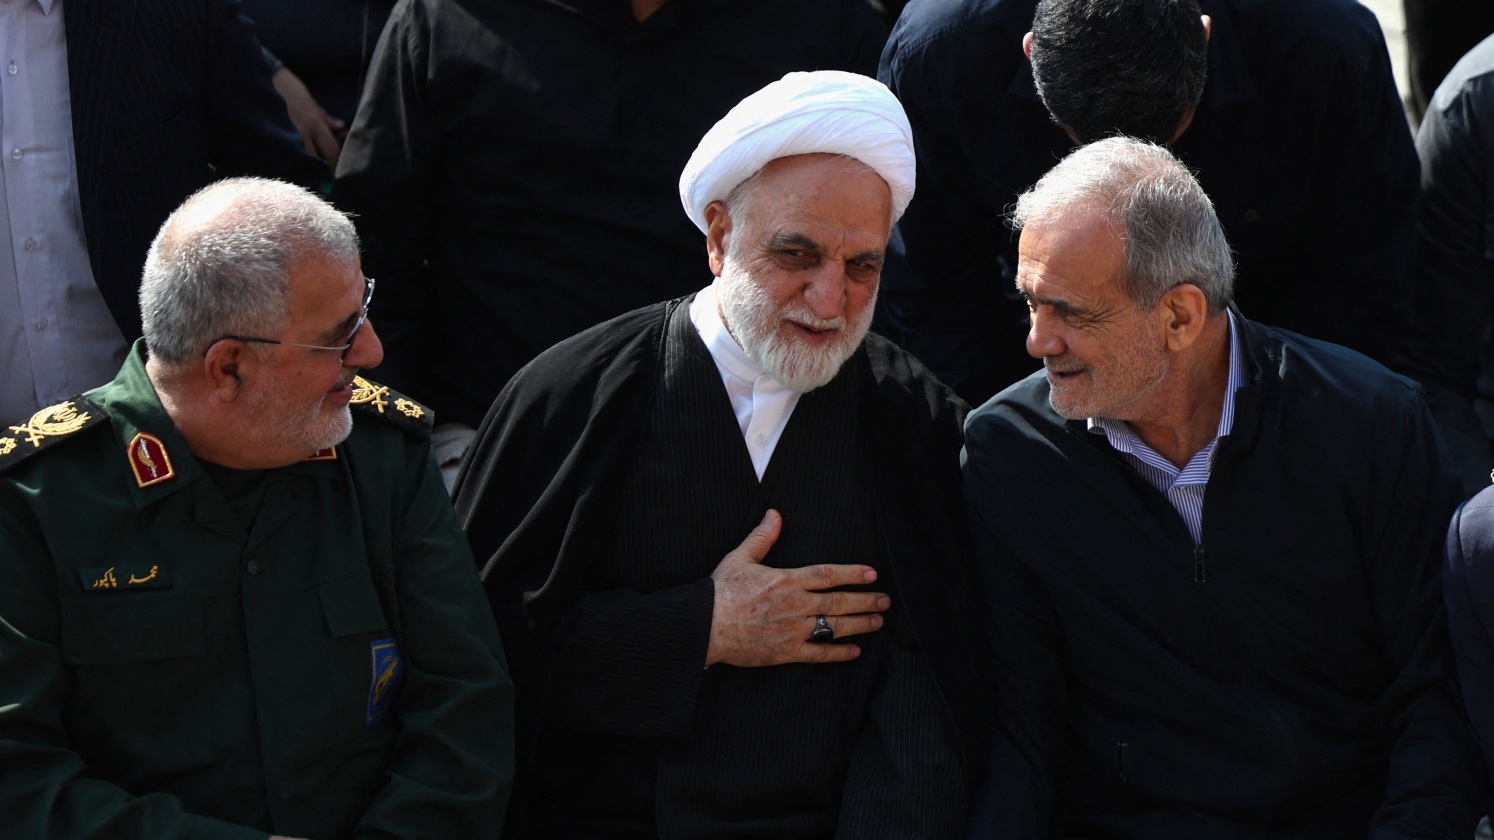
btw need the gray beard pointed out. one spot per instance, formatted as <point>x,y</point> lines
<point>754,320</point>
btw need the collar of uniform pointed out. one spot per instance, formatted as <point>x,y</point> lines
<point>1228,78</point>
<point>134,407</point>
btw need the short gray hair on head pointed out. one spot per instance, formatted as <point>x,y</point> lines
<point>220,264</point>
<point>1171,233</point>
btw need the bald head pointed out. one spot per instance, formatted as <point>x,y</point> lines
<point>221,263</point>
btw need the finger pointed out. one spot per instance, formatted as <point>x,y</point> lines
<point>854,625</point>
<point>755,546</point>
<point>847,603</point>
<point>829,576</point>
<point>816,652</point>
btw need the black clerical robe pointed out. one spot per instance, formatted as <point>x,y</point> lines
<point>543,481</point>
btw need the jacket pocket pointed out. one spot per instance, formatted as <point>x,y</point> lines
<point>121,629</point>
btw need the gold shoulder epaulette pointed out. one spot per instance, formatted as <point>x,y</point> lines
<point>47,427</point>
<point>391,406</point>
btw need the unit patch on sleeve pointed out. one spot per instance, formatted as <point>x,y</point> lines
<point>388,667</point>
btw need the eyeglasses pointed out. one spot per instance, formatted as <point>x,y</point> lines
<point>342,350</point>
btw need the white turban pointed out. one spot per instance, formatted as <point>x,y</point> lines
<point>826,111</point>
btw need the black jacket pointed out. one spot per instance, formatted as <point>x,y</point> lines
<point>1290,677</point>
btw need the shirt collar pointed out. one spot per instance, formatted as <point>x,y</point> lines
<point>1124,438</point>
<point>705,314</point>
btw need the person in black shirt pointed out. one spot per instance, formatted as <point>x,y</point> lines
<point>512,167</point>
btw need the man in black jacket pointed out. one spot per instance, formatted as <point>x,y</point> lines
<point>682,512</point>
<point>1210,547</point>
<point>1286,109</point>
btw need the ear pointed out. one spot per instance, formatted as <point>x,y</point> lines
<point>1027,45</point>
<point>1183,311</point>
<point>718,235</point>
<point>225,366</point>
<point>1208,24</point>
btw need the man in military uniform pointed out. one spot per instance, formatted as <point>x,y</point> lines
<point>226,608</point>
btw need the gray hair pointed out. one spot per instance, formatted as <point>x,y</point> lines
<point>1171,233</point>
<point>220,264</point>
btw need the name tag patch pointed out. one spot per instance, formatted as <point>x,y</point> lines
<point>123,576</point>
<point>388,667</point>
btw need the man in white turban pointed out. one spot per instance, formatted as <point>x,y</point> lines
<point>722,534</point>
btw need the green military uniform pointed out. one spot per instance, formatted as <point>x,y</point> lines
<point>309,654</point>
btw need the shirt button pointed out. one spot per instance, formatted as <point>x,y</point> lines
<point>762,439</point>
<point>42,324</point>
<point>15,154</point>
<point>31,243</point>
<point>252,567</point>
<point>12,69</point>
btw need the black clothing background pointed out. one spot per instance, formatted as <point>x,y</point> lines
<point>1303,688</point>
<point>1438,33</point>
<point>1449,347</point>
<point>515,165</point>
<point>326,43</point>
<point>166,96</point>
<point>1300,141</point>
<point>539,489</point>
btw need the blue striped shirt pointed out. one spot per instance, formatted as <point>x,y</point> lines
<point>1183,487</point>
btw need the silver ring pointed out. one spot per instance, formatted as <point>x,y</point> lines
<point>822,631</point>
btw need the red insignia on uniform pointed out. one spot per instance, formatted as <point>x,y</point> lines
<point>328,454</point>
<point>149,460</point>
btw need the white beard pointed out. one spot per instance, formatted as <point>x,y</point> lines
<point>756,322</point>
<point>306,426</point>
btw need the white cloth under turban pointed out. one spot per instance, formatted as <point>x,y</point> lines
<point>826,111</point>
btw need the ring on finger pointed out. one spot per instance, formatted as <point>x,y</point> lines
<point>822,631</point>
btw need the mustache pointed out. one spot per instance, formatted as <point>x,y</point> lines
<point>803,316</point>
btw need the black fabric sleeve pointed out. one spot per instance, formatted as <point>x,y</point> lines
<point>1026,639</point>
<point>1434,773</point>
<point>1469,590</point>
<point>1455,272</point>
<point>628,663</point>
<point>388,178</point>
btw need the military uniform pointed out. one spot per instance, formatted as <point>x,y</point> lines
<point>308,655</point>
